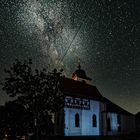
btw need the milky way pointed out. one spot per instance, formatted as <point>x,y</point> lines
<point>104,34</point>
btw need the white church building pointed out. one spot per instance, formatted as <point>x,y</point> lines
<point>88,113</point>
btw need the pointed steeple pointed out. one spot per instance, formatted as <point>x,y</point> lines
<point>79,66</point>
<point>80,74</point>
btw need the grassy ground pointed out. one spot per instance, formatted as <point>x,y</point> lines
<point>82,138</point>
<point>94,138</point>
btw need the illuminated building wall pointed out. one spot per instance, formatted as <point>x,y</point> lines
<point>85,119</point>
<point>120,124</point>
<point>87,112</point>
<point>113,128</point>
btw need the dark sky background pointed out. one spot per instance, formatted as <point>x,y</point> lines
<point>104,34</point>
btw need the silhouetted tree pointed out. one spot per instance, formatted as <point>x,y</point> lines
<point>15,118</point>
<point>37,90</point>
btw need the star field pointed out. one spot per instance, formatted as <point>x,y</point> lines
<point>104,34</point>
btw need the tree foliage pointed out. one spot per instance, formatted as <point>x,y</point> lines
<point>40,88</point>
<point>37,90</point>
<point>15,118</point>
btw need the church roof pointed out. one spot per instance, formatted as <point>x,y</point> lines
<point>79,89</point>
<point>114,108</point>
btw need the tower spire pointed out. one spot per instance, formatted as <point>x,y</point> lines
<point>79,66</point>
<point>79,74</point>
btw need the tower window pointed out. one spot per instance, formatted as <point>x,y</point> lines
<point>94,121</point>
<point>77,120</point>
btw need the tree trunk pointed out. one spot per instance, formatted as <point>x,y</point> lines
<point>36,131</point>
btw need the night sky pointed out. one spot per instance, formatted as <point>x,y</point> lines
<point>103,34</point>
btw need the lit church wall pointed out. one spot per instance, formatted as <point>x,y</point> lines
<point>123,125</point>
<point>85,119</point>
<point>70,128</point>
<point>113,124</point>
<point>86,116</point>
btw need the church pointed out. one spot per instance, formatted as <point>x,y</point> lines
<point>87,113</point>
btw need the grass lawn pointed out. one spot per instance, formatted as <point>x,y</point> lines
<point>84,138</point>
<point>125,137</point>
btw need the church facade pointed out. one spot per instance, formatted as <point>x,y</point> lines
<point>88,113</point>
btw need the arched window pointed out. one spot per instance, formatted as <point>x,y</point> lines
<point>77,120</point>
<point>108,124</point>
<point>94,121</point>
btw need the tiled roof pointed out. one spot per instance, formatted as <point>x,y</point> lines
<point>80,89</point>
<point>114,108</point>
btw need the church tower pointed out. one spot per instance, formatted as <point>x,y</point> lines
<point>80,75</point>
